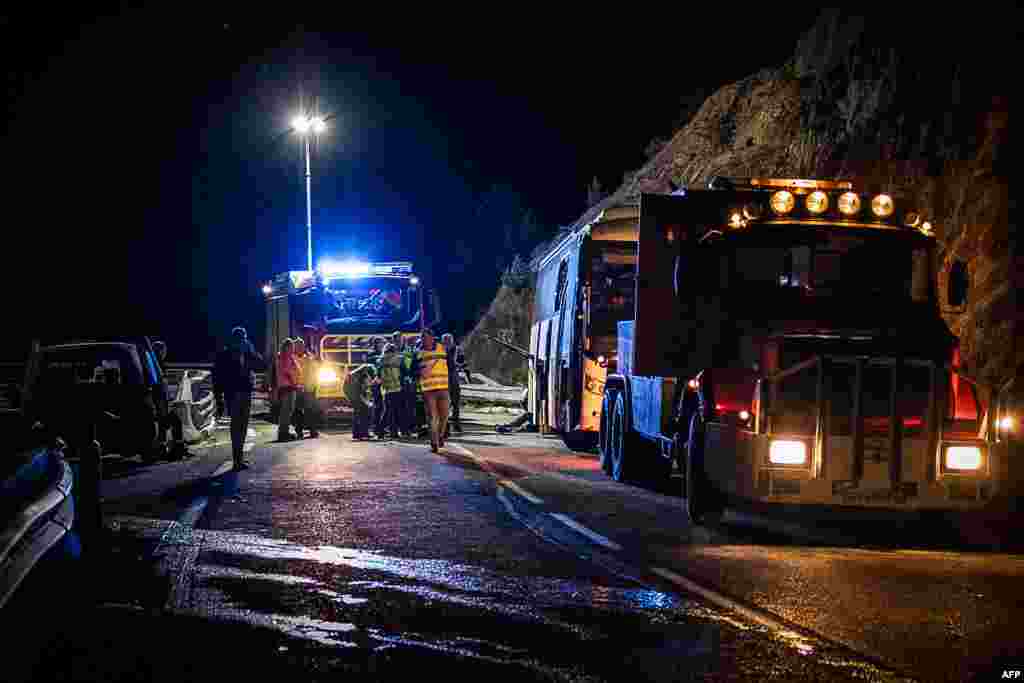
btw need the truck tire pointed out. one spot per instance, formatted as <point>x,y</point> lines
<point>704,503</point>
<point>622,468</point>
<point>604,443</point>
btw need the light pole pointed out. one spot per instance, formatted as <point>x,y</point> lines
<point>307,126</point>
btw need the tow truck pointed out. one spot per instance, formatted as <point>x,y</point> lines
<point>779,340</point>
<point>339,309</point>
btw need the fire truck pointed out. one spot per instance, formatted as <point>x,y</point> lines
<point>339,309</point>
<point>777,340</point>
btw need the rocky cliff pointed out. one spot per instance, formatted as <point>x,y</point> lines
<point>913,107</point>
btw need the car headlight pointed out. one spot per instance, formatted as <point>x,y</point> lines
<point>963,458</point>
<point>327,375</point>
<point>787,452</point>
<point>1006,424</point>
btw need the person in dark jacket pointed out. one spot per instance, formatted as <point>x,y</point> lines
<point>407,399</point>
<point>233,380</point>
<point>357,389</point>
<point>456,364</point>
<point>379,407</point>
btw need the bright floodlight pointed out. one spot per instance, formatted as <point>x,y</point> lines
<point>319,125</point>
<point>301,124</point>
<point>782,452</point>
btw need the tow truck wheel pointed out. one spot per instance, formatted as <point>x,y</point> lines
<point>620,439</point>
<point>703,502</point>
<point>605,433</point>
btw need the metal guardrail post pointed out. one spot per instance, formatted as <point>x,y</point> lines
<point>90,511</point>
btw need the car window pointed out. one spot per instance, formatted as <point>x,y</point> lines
<point>73,371</point>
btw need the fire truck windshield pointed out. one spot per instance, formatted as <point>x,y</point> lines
<point>386,300</point>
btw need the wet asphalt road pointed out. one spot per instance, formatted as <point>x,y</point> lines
<point>503,555</point>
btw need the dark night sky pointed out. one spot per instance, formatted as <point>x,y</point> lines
<point>148,187</point>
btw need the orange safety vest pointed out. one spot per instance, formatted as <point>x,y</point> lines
<point>433,369</point>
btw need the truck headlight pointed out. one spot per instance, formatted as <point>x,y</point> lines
<point>787,452</point>
<point>327,376</point>
<point>963,458</point>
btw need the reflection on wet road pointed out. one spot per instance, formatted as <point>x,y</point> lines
<point>391,550</point>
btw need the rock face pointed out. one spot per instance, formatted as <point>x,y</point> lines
<point>508,318</point>
<point>912,108</point>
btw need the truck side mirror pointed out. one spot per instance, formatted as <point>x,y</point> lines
<point>958,284</point>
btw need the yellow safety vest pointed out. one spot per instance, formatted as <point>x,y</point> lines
<point>433,369</point>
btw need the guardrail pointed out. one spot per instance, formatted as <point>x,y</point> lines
<point>41,523</point>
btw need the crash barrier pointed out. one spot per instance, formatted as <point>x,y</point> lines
<point>191,398</point>
<point>486,390</point>
<point>40,496</point>
<point>201,374</point>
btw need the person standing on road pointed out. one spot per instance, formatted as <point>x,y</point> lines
<point>379,409</point>
<point>172,421</point>
<point>456,363</point>
<point>307,414</point>
<point>233,380</point>
<point>357,389</point>
<point>432,363</point>
<point>389,369</point>
<point>288,379</point>
<point>407,398</point>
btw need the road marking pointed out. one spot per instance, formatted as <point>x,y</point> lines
<point>194,511</point>
<point>592,535</point>
<point>461,449</point>
<point>521,491</point>
<point>800,641</point>
<point>224,468</point>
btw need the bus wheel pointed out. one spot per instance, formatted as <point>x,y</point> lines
<point>703,503</point>
<point>620,441</point>
<point>604,442</point>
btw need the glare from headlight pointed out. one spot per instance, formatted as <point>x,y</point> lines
<point>783,452</point>
<point>882,205</point>
<point>744,415</point>
<point>1006,424</point>
<point>816,202</point>
<point>849,203</point>
<point>782,202</point>
<point>327,376</point>
<point>963,458</point>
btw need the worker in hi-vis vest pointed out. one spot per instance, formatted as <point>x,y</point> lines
<point>432,363</point>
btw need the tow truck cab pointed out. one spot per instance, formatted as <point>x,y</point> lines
<point>782,344</point>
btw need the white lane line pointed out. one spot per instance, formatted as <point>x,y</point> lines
<point>799,640</point>
<point>194,511</point>
<point>224,468</point>
<point>592,535</point>
<point>461,449</point>
<point>521,491</point>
